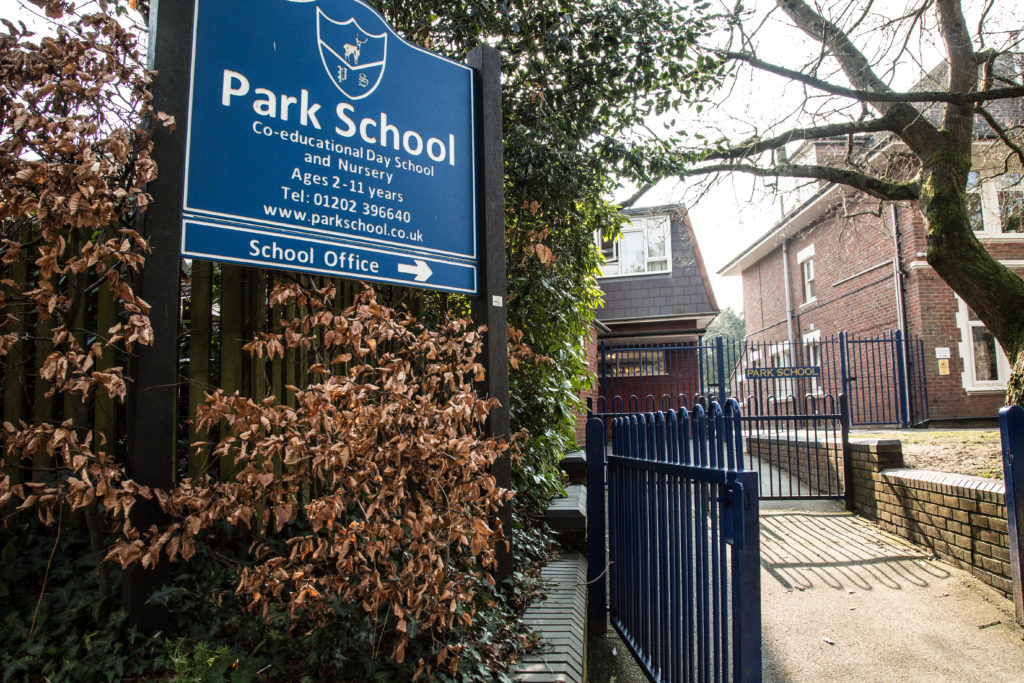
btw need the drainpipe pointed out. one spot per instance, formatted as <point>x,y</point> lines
<point>901,312</point>
<point>789,299</point>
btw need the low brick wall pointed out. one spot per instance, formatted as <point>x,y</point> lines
<point>817,464</point>
<point>961,519</point>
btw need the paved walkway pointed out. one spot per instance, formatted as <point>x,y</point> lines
<point>843,601</point>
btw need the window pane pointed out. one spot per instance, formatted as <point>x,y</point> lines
<point>807,267</point>
<point>608,249</point>
<point>986,368</point>
<point>974,212</point>
<point>657,266</point>
<point>657,237</point>
<point>973,181</point>
<point>974,202</point>
<point>631,253</point>
<point>636,363</point>
<point>1011,202</point>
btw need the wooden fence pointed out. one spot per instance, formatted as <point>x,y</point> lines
<point>222,308</point>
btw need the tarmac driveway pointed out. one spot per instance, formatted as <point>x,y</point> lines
<point>843,601</point>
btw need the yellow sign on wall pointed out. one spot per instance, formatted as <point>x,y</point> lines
<point>943,366</point>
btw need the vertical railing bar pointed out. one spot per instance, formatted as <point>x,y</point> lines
<point>663,551</point>
<point>650,518</point>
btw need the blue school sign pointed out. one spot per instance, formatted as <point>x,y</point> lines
<point>320,141</point>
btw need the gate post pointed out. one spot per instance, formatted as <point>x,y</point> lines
<point>844,428</point>
<point>1011,431</point>
<point>597,597</point>
<point>720,368</point>
<point>747,586</point>
<point>603,388</point>
<point>844,368</point>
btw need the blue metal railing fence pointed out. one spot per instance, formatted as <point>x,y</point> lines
<point>800,450</point>
<point>681,581</point>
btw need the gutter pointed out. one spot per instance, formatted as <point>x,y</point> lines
<point>656,333</point>
<point>901,304</point>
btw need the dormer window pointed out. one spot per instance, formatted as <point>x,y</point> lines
<point>645,248</point>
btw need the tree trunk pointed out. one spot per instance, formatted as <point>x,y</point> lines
<point>1015,385</point>
<point>991,289</point>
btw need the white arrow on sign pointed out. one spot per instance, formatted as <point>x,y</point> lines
<point>421,270</point>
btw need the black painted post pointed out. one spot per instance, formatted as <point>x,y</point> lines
<point>152,418</point>
<point>1011,428</point>
<point>597,563</point>
<point>489,306</point>
<point>746,596</point>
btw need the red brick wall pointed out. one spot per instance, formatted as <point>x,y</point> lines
<point>581,418</point>
<point>853,277</point>
<point>681,377</point>
<point>856,294</point>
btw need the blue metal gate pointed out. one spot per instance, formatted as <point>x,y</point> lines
<point>884,377</point>
<point>681,578</point>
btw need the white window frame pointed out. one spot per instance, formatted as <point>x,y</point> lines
<point>989,181</point>
<point>805,262</point>
<point>750,359</point>
<point>966,350</point>
<point>812,340</point>
<point>641,224</point>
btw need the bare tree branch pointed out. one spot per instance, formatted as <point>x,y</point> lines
<point>635,197</point>
<point>925,96</point>
<point>756,146</point>
<point>1003,134</point>
<point>876,187</point>
<point>915,130</point>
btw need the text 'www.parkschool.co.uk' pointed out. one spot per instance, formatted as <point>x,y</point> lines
<point>339,221</point>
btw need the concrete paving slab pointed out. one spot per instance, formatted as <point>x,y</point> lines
<point>843,601</point>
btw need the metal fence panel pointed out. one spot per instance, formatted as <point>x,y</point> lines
<point>884,377</point>
<point>683,542</point>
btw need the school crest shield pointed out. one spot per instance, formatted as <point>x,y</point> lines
<point>353,57</point>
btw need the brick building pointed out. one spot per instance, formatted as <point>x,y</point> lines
<point>657,302</point>
<point>835,263</point>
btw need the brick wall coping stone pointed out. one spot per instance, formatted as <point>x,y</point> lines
<point>943,482</point>
<point>876,444</point>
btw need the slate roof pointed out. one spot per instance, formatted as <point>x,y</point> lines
<point>683,292</point>
<point>1008,113</point>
